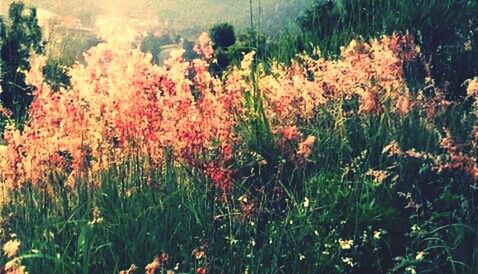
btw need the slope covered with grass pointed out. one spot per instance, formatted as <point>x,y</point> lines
<point>315,165</point>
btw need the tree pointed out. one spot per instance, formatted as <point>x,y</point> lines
<point>222,35</point>
<point>152,44</point>
<point>189,53</point>
<point>20,35</point>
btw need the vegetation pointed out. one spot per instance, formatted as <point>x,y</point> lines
<point>352,157</point>
<point>19,35</point>
<point>448,41</point>
<point>222,35</point>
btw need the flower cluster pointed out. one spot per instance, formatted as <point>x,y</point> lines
<point>121,107</point>
<point>371,71</point>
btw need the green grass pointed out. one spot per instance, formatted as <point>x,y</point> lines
<point>176,211</point>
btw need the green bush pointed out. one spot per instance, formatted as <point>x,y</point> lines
<point>222,35</point>
<point>20,35</point>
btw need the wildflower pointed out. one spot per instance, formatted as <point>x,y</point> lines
<point>369,103</point>
<point>346,244</point>
<point>198,254</point>
<point>290,133</point>
<point>130,270</point>
<point>378,176</point>
<point>243,199</point>
<point>152,267</point>
<point>5,111</point>
<point>247,61</point>
<point>204,46</point>
<point>14,267</point>
<point>377,235</point>
<point>221,177</point>
<point>156,263</point>
<point>201,270</point>
<point>305,148</point>
<point>415,227</point>
<point>392,149</point>
<point>411,270</point>
<point>248,209</point>
<point>468,45</point>
<point>403,105</point>
<point>348,261</point>
<point>118,100</point>
<point>420,255</point>
<point>306,202</point>
<point>472,89</point>
<point>97,219</point>
<point>11,248</point>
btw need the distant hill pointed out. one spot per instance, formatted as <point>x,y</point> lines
<point>180,15</point>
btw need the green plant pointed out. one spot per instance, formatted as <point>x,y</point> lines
<point>20,35</point>
<point>445,30</point>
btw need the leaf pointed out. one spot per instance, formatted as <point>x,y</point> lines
<point>83,238</point>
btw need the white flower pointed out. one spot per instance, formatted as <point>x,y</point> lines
<point>306,202</point>
<point>348,261</point>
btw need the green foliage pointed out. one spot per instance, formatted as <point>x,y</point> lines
<point>253,40</point>
<point>71,47</point>
<point>222,35</point>
<point>20,35</point>
<point>228,52</point>
<point>56,75</point>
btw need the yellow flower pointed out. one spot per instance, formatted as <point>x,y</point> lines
<point>346,244</point>
<point>11,247</point>
<point>14,267</point>
<point>420,255</point>
<point>472,88</point>
<point>415,227</point>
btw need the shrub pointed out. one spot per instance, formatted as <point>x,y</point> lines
<point>20,35</point>
<point>222,35</point>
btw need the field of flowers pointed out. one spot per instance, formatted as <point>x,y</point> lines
<point>323,165</point>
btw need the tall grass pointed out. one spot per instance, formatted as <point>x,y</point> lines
<point>381,192</point>
<point>175,212</point>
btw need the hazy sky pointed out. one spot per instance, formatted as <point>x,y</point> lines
<point>181,14</point>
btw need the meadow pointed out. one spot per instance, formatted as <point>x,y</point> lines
<point>351,151</point>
